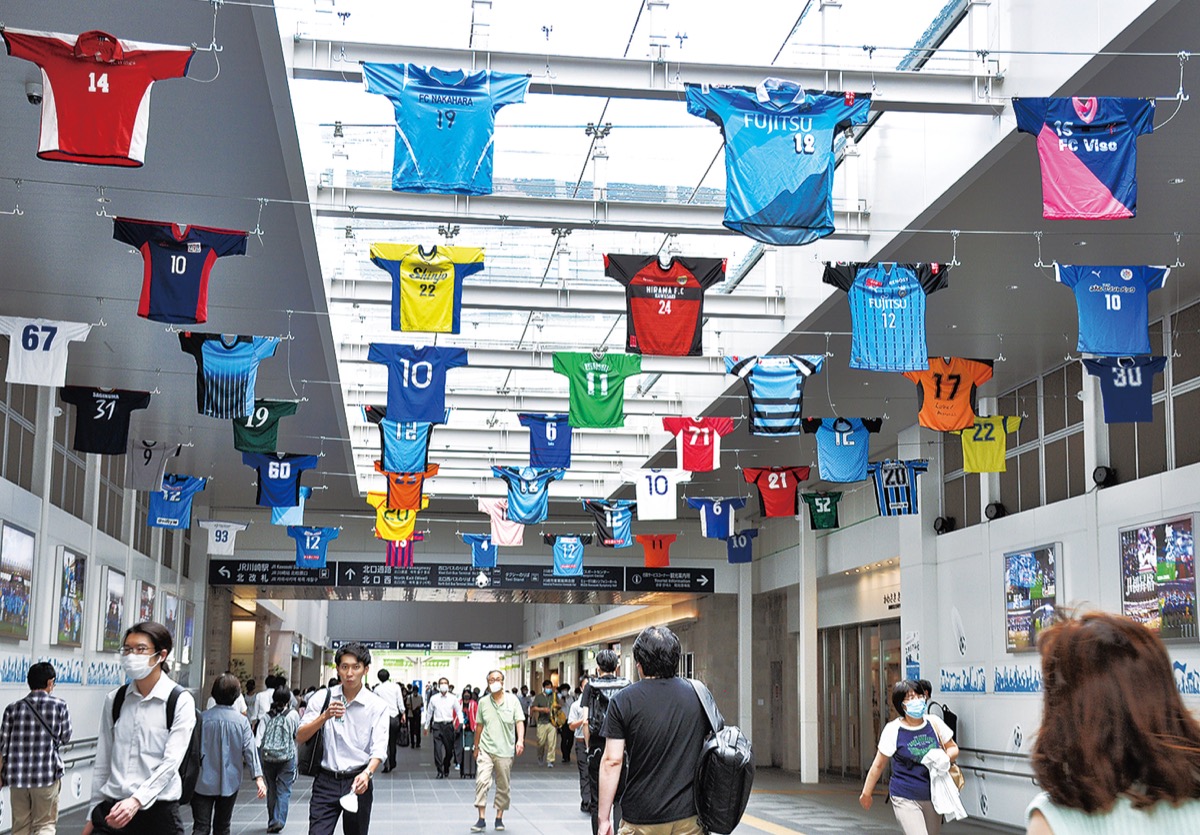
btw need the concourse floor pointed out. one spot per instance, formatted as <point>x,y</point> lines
<point>546,802</point>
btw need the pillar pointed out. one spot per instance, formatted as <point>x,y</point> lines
<point>920,611</point>
<point>745,660</point>
<point>807,652</point>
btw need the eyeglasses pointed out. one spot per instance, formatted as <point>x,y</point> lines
<point>138,650</point>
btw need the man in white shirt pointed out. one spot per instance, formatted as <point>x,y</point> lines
<point>355,724</point>
<point>393,697</point>
<point>239,703</point>
<point>261,703</point>
<point>443,713</point>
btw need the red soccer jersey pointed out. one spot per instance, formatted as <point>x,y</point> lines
<point>658,548</point>
<point>698,441</point>
<point>664,305</point>
<point>778,488</point>
<point>404,489</point>
<point>96,92</point>
<point>400,553</point>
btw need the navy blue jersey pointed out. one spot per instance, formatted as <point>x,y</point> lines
<point>842,446</point>
<point>896,485</point>
<point>614,521</point>
<point>171,505</point>
<point>279,476</point>
<point>549,439</point>
<point>311,544</point>
<point>779,155</point>
<point>776,388</point>
<point>226,371</point>
<point>887,312</point>
<point>1127,384</point>
<point>716,515</point>
<point>1113,306</point>
<point>739,547</point>
<point>528,492</point>
<point>568,553</point>
<point>483,552</point>
<point>176,265</point>
<point>416,379</point>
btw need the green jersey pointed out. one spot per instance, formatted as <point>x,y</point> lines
<point>822,510</point>
<point>259,430</point>
<point>597,385</point>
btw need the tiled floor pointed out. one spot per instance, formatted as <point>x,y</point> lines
<point>546,802</point>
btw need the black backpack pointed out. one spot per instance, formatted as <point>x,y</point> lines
<point>189,767</point>
<point>603,689</point>
<point>724,772</point>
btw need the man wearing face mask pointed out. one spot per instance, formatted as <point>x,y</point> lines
<point>544,705</point>
<point>500,721</point>
<point>135,782</point>
<point>442,714</point>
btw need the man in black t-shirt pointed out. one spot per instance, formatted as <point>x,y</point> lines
<point>661,722</point>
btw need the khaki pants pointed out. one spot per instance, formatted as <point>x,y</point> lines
<point>547,741</point>
<point>499,768</point>
<point>35,811</point>
<point>916,817</point>
<point>686,826</point>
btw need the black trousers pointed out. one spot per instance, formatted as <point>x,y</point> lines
<point>212,813</point>
<point>414,729</point>
<point>443,746</point>
<point>324,807</point>
<point>594,757</point>
<point>160,819</point>
<point>393,736</point>
<point>566,742</point>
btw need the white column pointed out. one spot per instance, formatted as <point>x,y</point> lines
<point>1095,430</point>
<point>745,663</point>
<point>807,654</point>
<point>919,610</point>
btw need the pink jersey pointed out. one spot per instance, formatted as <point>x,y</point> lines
<point>504,532</point>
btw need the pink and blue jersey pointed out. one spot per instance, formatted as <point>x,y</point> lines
<point>1088,152</point>
<point>1113,306</point>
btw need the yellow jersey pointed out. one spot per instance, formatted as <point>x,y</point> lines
<point>426,285</point>
<point>393,525</point>
<point>985,444</point>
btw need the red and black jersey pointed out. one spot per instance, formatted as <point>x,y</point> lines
<point>664,306</point>
<point>778,488</point>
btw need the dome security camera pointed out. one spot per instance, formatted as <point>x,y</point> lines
<point>33,92</point>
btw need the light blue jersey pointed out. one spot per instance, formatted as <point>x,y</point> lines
<point>779,155</point>
<point>716,515</point>
<point>1113,306</point>
<point>842,446</point>
<point>776,388</point>
<point>528,492</point>
<point>568,553</point>
<point>614,521</point>
<point>445,120</point>
<point>171,506</point>
<point>226,370</point>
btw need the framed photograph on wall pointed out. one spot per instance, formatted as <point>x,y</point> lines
<point>189,633</point>
<point>1158,576</point>
<point>16,580</point>
<point>112,601</point>
<point>171,618</point>
<point>145,601</point>
<point>72,585</point>
<point>1030,594</point>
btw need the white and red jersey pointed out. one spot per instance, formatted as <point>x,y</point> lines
<point>698,441</point>
<point>96,92</point>
<point>664,305</point>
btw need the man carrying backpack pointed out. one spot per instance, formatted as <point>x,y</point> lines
<point>279,756</point>
<point>594,701</point>
<point>661,723</point>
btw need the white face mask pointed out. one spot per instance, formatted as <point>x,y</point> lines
<point>137,667</point>
<point>443,688</point>
<point>496,686</point>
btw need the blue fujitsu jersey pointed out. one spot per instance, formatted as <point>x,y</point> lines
<point>776,388</point>
<point>896,485</point>
<point>1127,384</point>
<point>279,476</point>
<point>528,492</point>
<point>716,515</point>
<point>1088,152</point>
<point>171,506</point>
<point>568,553</point>
<point>1113,306</point>
<point>614,521</point>
<point>311,544</point>
<point>779,155</point>
<point>887,312</point>
<point>444,123</point>
<point>416,379</point>
<point>549,439</point>
<point>842,446</point>
<point>739,547</point>
<point>483,552</point>
<point>226,370</point>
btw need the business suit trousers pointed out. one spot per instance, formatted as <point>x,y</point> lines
<point>324,808</point>
<point>443,746</point>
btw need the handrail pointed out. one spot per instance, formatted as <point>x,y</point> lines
<point>992,753</point>
<point>979,769</point>
<point>75,743</point>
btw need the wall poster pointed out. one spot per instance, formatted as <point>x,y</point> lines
<point>112,601</point>
<point>1158,577</point>
<point>16,581</point>
<point>72,585</point>
<point>1030,593</point>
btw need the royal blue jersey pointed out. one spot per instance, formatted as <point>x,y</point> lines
<point>483,552</point>
<point>842,446</point>
<point>291,515</point>
<point>896,485</point>
<point>716,515</point>
<point>279,476</point>
<point>176,265</point>
<point>1127,384</point>
<point>776,388</point>
<point>779,155</point>
<point>311,544</point>
<point>568,553</point>
<point>226,371</point>
<point>416,379</point>
<point>887,312</point>
<point>444,123</point>
<point>528,492</point>
<point>614,521</point>
<point>1113,306</point>
<point>1088,151</point>
<point>171,505</point>
<point>739,547</point>
<point>549,439</point>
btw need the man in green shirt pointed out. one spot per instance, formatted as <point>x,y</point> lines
<point>500,721</point>
<point>541,716</point>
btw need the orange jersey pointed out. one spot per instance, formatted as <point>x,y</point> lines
<point>946,391</point>
<point>404,489</point>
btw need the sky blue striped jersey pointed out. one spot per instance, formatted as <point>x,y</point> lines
<point>226,370</point>
<point>776,388</point>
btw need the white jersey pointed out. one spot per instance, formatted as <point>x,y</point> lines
<point>221,536</point>
<point>146,464</point>
<point>656,492</point>
<point>37,349</point>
